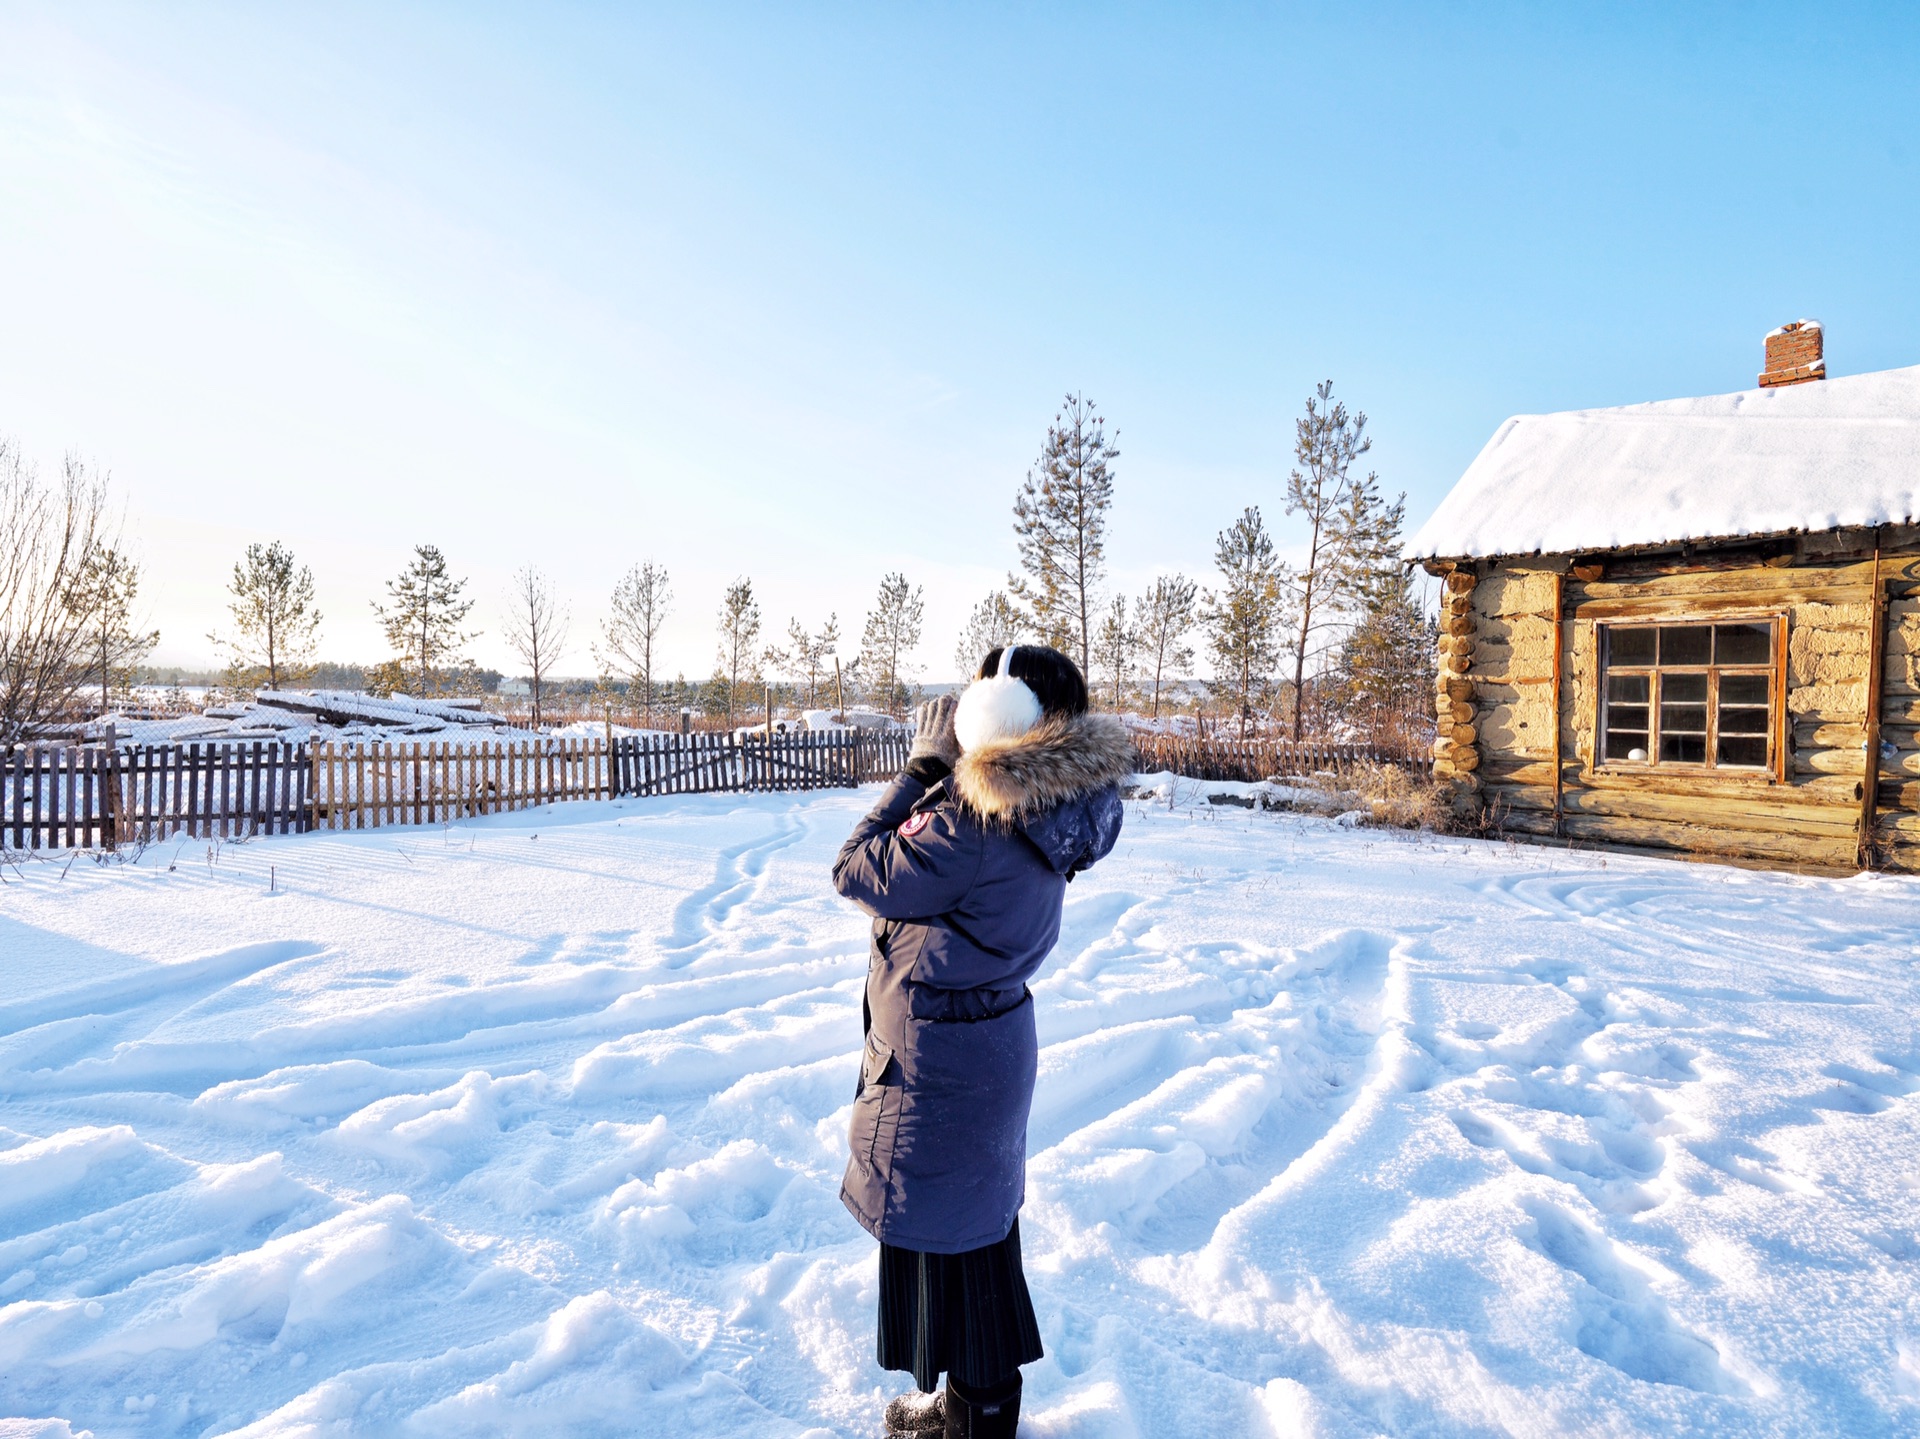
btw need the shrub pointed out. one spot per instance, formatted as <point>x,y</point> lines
<point>1391,795</point>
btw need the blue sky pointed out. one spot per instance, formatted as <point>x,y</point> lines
<point>792,291</point>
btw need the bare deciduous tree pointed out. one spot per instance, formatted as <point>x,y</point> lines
<point>47,534</point>
<point>1162,617</point>
<point>274,619</point>
<point>537,625</point>
<point>641,602</point>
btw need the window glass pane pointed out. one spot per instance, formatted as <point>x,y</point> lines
<point>1743,721</point>
<point>1629,717</point>
<point>1626,745</point>
<point>1690,688</point>
<point>1683,748</point>
<point>1744,690</point>
<point>1743,750</point>
<point>1686,644</point>
<point>1630,646</point>
<point>1675,719</point>
<point>1627,689</point>
<point>1749,644</point>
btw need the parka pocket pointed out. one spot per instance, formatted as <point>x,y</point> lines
<point>874,1062</point>
<point>871,1135</point>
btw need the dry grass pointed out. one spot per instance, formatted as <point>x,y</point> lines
<point>1392,796</point>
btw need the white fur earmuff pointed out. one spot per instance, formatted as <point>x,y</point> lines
<point>998,707</point>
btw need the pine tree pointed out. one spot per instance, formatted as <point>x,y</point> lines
<point>1370,543</point>
<point>101,600</point>
<point>850,684</point>
<point>1115,646</point>
<point>714,697</point>
<point>275,621</point>
<point>994,624</point>
<point>891,634</point>
<point>1060,524</point>
<point>1244,617</point>
<point>1162,617</point>
<point>808,656</point>
<point>422,621</point>
<point>1387,663</point>
<point>537,625</point>
<point>739,660</point>
<point>641,603</point>
<point>1347,524</point>
<point>825,656</point>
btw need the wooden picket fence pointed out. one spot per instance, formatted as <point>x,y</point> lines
<point>692,764</point>
<point>57,797</point>
<point>68,796</point>
<point>1219,758</point>
<point>71,796</point>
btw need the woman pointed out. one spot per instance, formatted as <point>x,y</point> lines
<point>964,863</point>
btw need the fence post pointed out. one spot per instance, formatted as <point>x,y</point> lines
<point>110,805</point>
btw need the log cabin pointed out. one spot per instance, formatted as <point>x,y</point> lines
<point>1692,626</point>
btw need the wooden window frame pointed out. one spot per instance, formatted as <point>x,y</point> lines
<point>1779,739</point>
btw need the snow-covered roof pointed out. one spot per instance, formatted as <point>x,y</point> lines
<point>1800,457</point>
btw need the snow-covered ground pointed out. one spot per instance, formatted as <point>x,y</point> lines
<point>534,1126</point>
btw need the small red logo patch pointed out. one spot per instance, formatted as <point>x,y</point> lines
<point>915,823</point>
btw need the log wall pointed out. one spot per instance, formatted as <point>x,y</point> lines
<point>1518,699</point>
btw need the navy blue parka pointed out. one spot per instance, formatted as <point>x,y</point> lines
<point>965,874</point>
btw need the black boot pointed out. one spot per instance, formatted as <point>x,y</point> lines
<point>989,1413</point>
<point>920,1414</point>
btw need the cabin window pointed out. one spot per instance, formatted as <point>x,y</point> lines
<point>1695,696</point>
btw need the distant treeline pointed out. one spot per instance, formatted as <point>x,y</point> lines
<point>318,675</point>
<point>1340,644</point>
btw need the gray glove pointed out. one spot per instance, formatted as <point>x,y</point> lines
<point>933,736</point>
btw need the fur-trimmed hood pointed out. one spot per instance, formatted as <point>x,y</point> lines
<point>1063,757</point>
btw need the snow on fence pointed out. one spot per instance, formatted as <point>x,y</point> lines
<point>1216,758</point>
<point>65,796</point>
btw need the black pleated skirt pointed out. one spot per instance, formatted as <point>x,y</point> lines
<point>967,1314</point>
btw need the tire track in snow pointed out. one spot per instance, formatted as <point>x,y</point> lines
<point>1138,1191</point>
<point>65,1028</point>
<point>739,879</point>
<point>1233,1103</point>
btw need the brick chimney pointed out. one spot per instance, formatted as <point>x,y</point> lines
<point>1793,355</point>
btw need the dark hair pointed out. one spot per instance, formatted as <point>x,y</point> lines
<point>1054,679</point>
